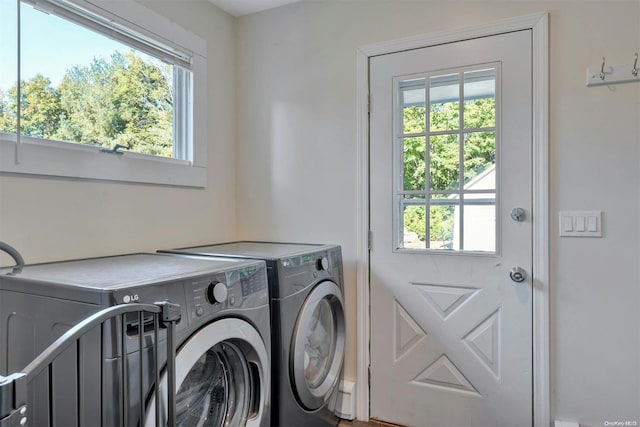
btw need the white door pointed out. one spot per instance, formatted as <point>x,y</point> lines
<point>450,146</point>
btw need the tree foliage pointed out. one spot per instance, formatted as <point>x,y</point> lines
<point>444,159</point>
<point>123,100</point>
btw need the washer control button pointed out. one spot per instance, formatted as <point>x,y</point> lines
<point>216,292</point>
<point>199,310</point>
<point>232,300</point>
<point>322,263</point>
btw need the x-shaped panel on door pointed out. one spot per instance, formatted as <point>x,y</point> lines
<point>449,337</point>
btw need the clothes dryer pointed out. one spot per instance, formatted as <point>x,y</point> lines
<point>223,338</point>
<point>308,325</point>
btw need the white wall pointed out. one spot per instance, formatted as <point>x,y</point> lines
<point>297,164</point>
<point>53,219</point>
<point>296,160</point>
<point>594,159</point>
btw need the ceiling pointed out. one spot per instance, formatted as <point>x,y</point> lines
<point>245,7</point>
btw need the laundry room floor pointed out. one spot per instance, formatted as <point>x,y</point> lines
<point>345,423</point>
<point>355,423</point>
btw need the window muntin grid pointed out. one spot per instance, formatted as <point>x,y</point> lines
<point>445,164</point>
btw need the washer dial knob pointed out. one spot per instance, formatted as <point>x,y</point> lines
<point>322,263</point>
<point>217,292</point>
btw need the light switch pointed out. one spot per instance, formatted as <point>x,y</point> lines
<point>580,224</point>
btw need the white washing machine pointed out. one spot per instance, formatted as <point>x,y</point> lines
<point>308,325</point>
<point>222,340</point>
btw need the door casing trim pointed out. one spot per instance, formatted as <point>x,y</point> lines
<point>539,24</point>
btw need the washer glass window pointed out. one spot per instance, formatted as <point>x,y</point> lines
<point>216,391</point>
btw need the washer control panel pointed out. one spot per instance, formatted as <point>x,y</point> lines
<point>234,289</point>
<point>252,282</point>
<point>295,273</point>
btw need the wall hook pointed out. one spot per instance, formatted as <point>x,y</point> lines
<point>604,74</point>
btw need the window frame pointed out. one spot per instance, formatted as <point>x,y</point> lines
<point>23,155</point>
<point>399,136</point>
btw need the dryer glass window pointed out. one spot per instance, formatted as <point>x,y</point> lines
<point>320,345</point>
<point>216,391</point>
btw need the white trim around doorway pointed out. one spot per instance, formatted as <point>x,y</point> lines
<point>539,24</point>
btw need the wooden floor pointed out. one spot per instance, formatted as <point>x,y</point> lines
<point>344,423</point>
<point>372,423</point>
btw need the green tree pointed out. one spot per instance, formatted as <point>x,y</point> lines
<point>126,101</point>
<point>123,100</point>
<point>444,168</point>
<point>415,221</point>
<point>142,102</point>
<point>442,218</point>
<point>39,108</point>
<point>414,163</point>
<point>7,116</point>
<point>85,99</point>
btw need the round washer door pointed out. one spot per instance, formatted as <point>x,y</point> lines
<point>317,351</point>
<point>222,378</point>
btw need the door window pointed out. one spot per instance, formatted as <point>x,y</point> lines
<point>446,152</point>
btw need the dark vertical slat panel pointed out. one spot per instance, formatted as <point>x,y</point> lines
<point>171,376</point>
<point>79,401</point>
<point>50,397</point>
<point>141,359</point>
<point>56,368</point>
<point>156,352</point>
<point>123,356</point>
<point>102,359</point>
<point>106,376</point>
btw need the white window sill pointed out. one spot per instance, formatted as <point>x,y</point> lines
<point>59,159</point>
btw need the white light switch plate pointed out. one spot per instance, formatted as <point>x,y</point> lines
<point>580,223</point>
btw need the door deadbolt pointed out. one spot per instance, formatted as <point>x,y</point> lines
<point>518,214</point>
<point>518,274</point>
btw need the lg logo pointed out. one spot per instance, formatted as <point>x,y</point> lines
<point>130,298</point>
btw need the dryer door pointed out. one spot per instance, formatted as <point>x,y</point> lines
<point>318,346</point>
<point>222,378</point>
